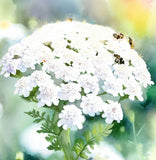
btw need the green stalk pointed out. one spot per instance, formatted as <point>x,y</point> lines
<point>139,154</point>
<point>64,139</point>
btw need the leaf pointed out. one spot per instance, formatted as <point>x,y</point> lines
<point>37,120</point>
<point>53,139</point>
<point>100,130</point>
<point>84,156</point>
<point>140,130</point>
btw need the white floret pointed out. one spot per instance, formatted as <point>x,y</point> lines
<point>113,86</point>
<point>89,83</point>
<point>9,67</point>
<point>92,105</point>
<point>112,111</point>
<point>48,92</point>
<point>70,92</point>
<point>38,77</point>
<point>23,86</point>
<point>71,117</point>
<point>133,89</point>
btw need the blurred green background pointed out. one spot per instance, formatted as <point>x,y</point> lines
<point>135,18</point>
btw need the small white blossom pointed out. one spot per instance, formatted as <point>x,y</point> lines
<point>123,71</point>
<point>89,83</point>
<point>25,62</point>
<point>48,93</point>
<point>38,77</point>
<point>143,76</point>
<point>71,117</point>
<point>113,86</point>
<point>23,86</point>
<point>70,91</point>
<point>67,73</point>
<point>112,111</point>
<point>103,71</point>
<point>9,67</point>
<point>133,89</point>
<point>92,105</point>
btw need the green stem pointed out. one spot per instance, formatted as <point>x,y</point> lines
<point>84,147</point>
<point>139,154</point>
<point>64,140</point>
<point>52,107</point>
<point>134,134</point>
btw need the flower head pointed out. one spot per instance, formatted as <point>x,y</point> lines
<point>76,62</point>
<point>24,86</point>
<point>70,91</point>
<point>48,93</point>
<point>71,117</point>
<point>112,111</point>
<point>92,105</point>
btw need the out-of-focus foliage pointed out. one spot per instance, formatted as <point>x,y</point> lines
<point>134,15</point>
<point>7,10</point>
<point>136,18</point>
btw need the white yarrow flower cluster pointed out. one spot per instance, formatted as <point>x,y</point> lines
<point>92,105</point>
<point>77,62</point>
<point>71,117</point>
<point>112,111</point>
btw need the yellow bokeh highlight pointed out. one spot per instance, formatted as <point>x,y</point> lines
<point>133,14</point>
<point>4,25</point>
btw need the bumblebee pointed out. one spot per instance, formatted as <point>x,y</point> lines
<point>118,59</point>
<point>130,40</point>
<point>118,36</point>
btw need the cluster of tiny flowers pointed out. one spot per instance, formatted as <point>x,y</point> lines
<point>77,62</point>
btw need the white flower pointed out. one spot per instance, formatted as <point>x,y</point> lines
<point>133,89</point>
<point>38,77</point>
<point>9,67</point>
<point>103,57</point>
<point>89,83</point>
<point>71,117</point>
<point>112,111</point>
<point>92,105</point>
<point>17,50</point>
<point>103,71</point>
<point>113,86</point>
<point>27,61</point>
<point>24,86</point>
<point>123,71</point>
<point>84,64</point>
<point>67,73</point>
<point>143,76</point>
<point>48,93</point>
<point>70,91</point>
